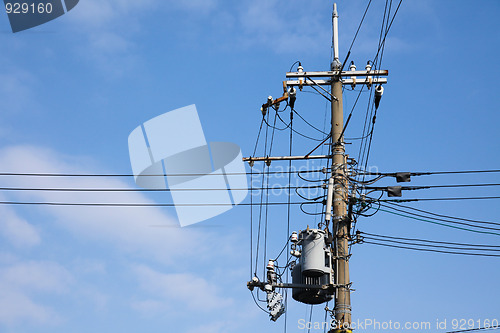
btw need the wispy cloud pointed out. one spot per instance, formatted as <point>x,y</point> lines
<point>128,228</point>
<point>17,230</point>
<point>282,28</point>
<point>178,292</point>
<point>125,230</point>
<point>22,282</point>
<point>16,89</point>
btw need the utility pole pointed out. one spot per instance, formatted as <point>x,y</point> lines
<point>340,228</point>
<point>322,271</point>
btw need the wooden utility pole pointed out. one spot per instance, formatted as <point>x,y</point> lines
<point>340,193</point>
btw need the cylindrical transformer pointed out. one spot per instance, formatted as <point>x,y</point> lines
<point>314,251</point>
<point>314,268</point>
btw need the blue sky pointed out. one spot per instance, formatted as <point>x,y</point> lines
<point>73,89</point>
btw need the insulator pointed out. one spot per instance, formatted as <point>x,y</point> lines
<point>295,253</point>
<point>368,66</point>
<point>379,91</point>
<point>292,93</point>
<point>368,78</point>
<point>352,67</point>
<point>294,238</point>
<point>270,265</point>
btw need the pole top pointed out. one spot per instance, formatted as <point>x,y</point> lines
<point>335,14</point>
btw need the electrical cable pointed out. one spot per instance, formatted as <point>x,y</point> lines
<point>67,189</point>
<point>296,132</point>
<point>383,239</point>
<point>445,216</point>
<point>308,123</point>
<point>441,199</point>
<point>33,174</point>
<point>288,216</point>
<point>432,241</point>
<point>119,204</point>
<point>427,173</point>
<point>423,187</point>
<point>258,136</point>
<point>432,250</point>
<point>253,296</point>
<point>291,67</point>
<point>251,225</point>
<point>357,31</point>
<point>310,319</point>
<point>441,224</point>
<point>442,220</point>
<point>260,208</point>
<point>477,329</point>
<point>307,213</point>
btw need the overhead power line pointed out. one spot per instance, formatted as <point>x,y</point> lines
<point>425,173</point>
<point>428,244</point>
<point>429,220</point>
<point>441,215</point>
<point>476,329</point>
<point>357,31</point>
<point>440,199</point>
<point>447,219</point>
<point>55,174</point>
<point>432,241</point>
<point>151,189</point>
<point>423,187</point>
<point>114,204</point>
<point>48,174</point>
<point>432,250</point>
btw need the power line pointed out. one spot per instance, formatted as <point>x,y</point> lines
<point>113,204</point>
<point>430,241</point>
<point>357,31</point>
<point>258,136</point>
<point>297,132</point>
<point>442,224</point>
<point>426,173</point>
<point>48,174</point>
<point>35,174</point>
<point>441,199</point>
<point>274,187</point>
<point>444,220</point>
<point>392,240</point>
<point>308,123</point>
<point>476,329</point>
<point>423,187</point>
<point>432,250</point>
<point>441,215</point>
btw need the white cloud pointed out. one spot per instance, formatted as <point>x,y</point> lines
<point>21,282</point>
<point>109,42</point>
<point>124,230</point>
<point>16,89</point>
<point>17,230</point>
<point>39,276</point>
<point>188,292</point>
<point>283,28</point>
<point>127,228</point>
<point>16,307</point>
